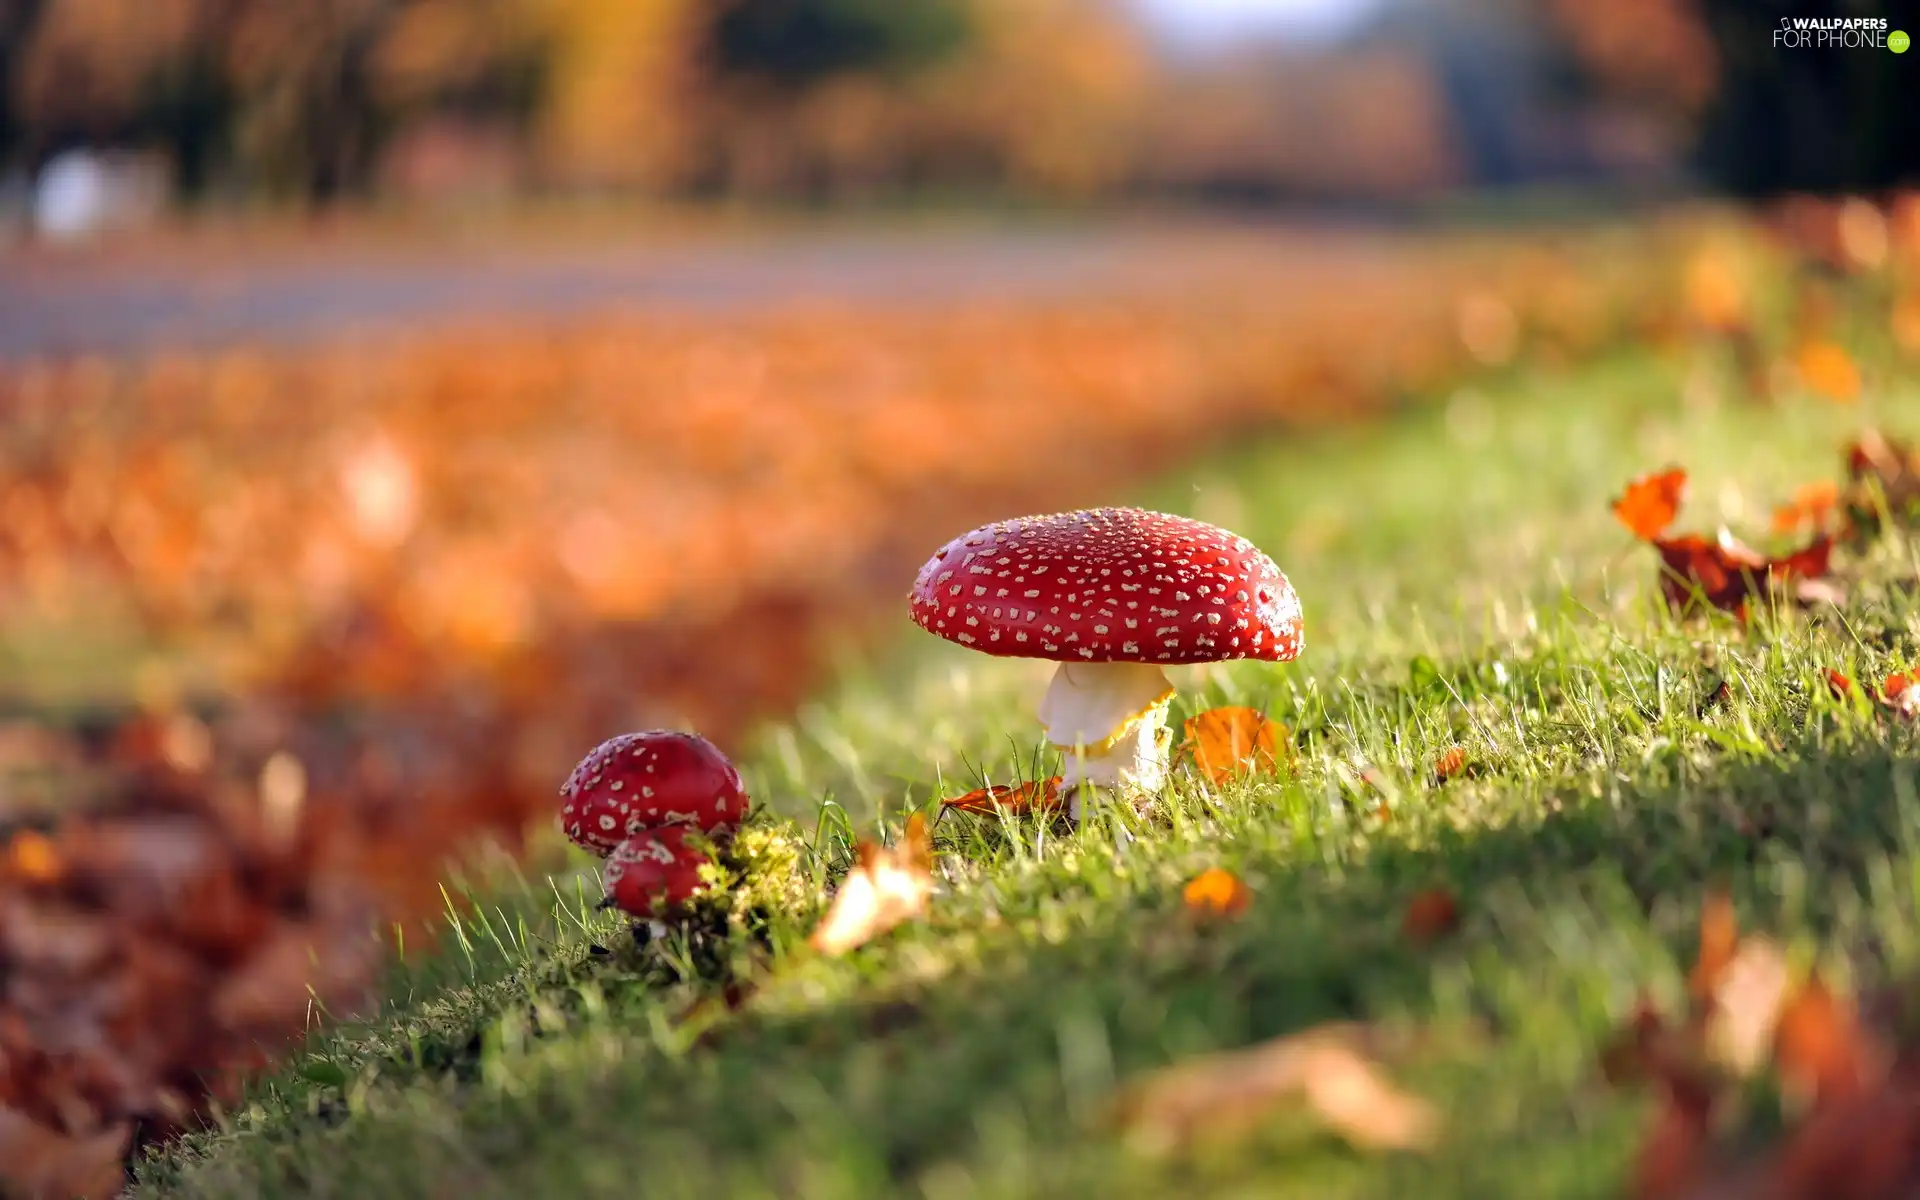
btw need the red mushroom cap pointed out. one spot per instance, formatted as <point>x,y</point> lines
<point>653,873</point>
<point>645,780</point>
<point>1109,585</point>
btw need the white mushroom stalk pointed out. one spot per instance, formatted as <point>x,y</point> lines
<point>1113,595</point>
<point>1110,721</point>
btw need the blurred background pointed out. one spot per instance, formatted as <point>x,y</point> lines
<point>397,397</point>
<point>128,108</point>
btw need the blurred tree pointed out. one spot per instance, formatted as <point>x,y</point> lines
<point>800,42</point>
<point>17,20</point>
<point>620,98</point>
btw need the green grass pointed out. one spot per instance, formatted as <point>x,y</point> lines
<point>1464,583</point>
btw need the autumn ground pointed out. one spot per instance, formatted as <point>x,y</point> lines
<point>1465,586</point>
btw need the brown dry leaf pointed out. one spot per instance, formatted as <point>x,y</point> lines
<point>1430,915</point>
<point>1226,743</point>
<point>38,1163</point>
<point>1225,1095</point>
<point>887,886</point>
<point>1216,893</point>
<point>1651,502</point>
<point>1036,796</point>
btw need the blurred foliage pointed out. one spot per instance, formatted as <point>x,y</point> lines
<point>835,99</point>
<point>799,42</point>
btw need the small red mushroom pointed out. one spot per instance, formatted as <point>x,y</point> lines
<point>641,781</point>
<point>1113,595</point>
<point>653,874</point>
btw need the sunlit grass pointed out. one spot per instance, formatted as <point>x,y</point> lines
<point>1465,586</point>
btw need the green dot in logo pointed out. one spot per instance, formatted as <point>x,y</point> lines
<point>1898,41</point>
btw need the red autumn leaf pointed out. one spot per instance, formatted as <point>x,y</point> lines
<point>1216,892</point>
<point>1041,795</point>
<point>1726,573</point>
<point>1430,915</point>
<point>1838,684</point>
<point>1651,502</point>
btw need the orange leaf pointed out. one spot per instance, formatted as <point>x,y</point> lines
<point>1431,914</point>
<point>1041,795</point>
<point>1819,1048</point>
<point>887,886</point>
<point>1228,742</point>
<point>1839,684</point>
<point>1216,892</point>
<point>1651,502</point>
<point>1812,507</point>
<point>1719,943</point>
<point>1450,763</point>
<point>1828,370</point>
<point>32,858</point>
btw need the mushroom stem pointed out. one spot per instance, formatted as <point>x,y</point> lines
<point>1110,720</point>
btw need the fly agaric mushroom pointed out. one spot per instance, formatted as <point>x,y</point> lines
<point>653,874</point>
<point>1113,595</point>
<point>641,781</point>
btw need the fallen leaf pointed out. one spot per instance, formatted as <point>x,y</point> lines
<point>887,885</point>
<point>1216,892</point>
<point>1828,371</point>
<point>1651,502</point>
<point>1820,1049</point>
<point>1725,573</point>
<point>1227,1095</point>
<point>1899,694</point>
<point>1225,743</point>
<point>1719,943</point>
<point>1838,684</point>
<point>1747,1000</point>
<point>1431,914</point>
<point>38,1163</point>
<point>1035,796</point>
<point>1450,763</point>
<point>1812,507</point>
<point>32,858</point>
<point>1674,1157</point>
